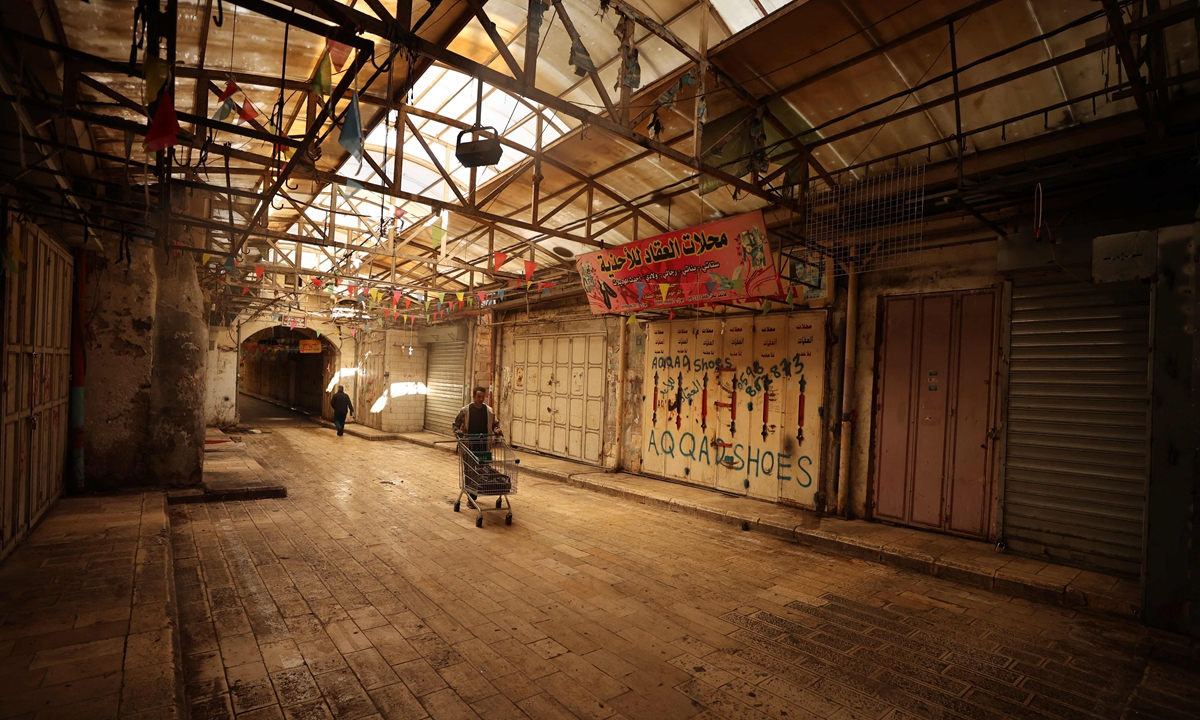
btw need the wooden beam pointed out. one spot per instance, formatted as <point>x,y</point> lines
<point>490,28</point>
<point>1116,25</point>
<point>574,34</point>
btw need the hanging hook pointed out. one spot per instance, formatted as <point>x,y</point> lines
<point>289,187</point>
<point>219,18</point>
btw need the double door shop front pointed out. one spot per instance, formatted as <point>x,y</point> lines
<point>735,404</point>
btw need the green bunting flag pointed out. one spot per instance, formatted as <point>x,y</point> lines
<point>322,83</point>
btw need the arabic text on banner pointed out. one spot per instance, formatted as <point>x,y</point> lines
<point>723,261</point>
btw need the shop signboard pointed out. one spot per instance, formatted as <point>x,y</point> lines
<point>723,261</point>
<point>310,347</point>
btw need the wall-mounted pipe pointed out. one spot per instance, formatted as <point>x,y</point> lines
<point>851,340</point>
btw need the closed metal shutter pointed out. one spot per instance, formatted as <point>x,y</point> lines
<point>1078,423</point>
<point>444,378</point>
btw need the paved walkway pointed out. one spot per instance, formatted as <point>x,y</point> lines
<point>88,627</point>
<point>363,595</point>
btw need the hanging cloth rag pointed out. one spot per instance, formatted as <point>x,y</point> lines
<point>580,59</point>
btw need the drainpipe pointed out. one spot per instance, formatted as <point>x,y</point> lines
<point>622,369</point>
<point>851,340</point>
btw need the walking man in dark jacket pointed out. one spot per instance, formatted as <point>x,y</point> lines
<point>341,405</point>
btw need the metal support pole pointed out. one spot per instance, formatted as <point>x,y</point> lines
<point>851,340</point>
<point>958,133</point>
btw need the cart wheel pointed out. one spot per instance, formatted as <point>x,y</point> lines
<point>499,502</point>
<point>508,519</point>
<point>478,522</point>
<point>456,505</point>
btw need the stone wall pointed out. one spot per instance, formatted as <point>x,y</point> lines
<point>405,377</point>
<point>147,351</point>
<point>220,408</point>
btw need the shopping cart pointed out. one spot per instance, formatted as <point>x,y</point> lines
<point>488,468</point>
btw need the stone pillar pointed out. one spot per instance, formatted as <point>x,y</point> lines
<point>147,348</point>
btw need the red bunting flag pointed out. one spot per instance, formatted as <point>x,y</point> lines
<point>482,297</point>
<point>258,270</point>
<point>530,267</point>
<point>247,113</point>
<point>398,213</point>
<point>316,282</point>
<point>407,303</point>
<point>161,133</point>
<point>350,290</point>
<point>501,258</point>
<point>395,297</point>
<point>230,88</point>
<point>338,52</point>
<point>245,290</point>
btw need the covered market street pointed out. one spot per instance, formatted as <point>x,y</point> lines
<point>363,595</point>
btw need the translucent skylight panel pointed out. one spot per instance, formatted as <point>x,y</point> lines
<point>737,14</point>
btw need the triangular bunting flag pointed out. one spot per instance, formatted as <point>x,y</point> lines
<point>258,270</point>
<point>671,315</point>
<point>322,83</point>
<point>663,288</point>
<point>766,307</point>
<point>641,288</point>
<point>350,290</point>
<point>161,134</point>
<point>632,319</point>
<point>482,296</point>
<point>500,293</point>
<point>338,52</point>
<point>204,258</point>
<point>437,233</point>
<point>247,113</point>
<point>441,297</point>
<point>316,282</point>
<point>501,258</point>
<point>710,286</point>
<point>407,303</point>
<point>395,297</point>
<point>354,186</point>
<point>230,88</point>
<point>530,267</point>
<point>224,110</point>
<point>156,70</point>
<point>351,136</point>
<point>398,213</point>
<point>460,296</point>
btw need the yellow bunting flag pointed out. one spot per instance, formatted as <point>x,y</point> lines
<point>663,288</point>
<point>460,296</point>
<point>632,319</point>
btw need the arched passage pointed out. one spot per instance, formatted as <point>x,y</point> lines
<point>289,365</point>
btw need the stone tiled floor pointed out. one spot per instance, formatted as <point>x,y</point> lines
<point>362,595</point>
<point>86,615</point>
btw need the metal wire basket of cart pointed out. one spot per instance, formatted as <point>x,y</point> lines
<point>488,468</point>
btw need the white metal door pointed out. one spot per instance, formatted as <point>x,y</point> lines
<point>36,380</point>
<point>446,368</point>
<point>558,395</point>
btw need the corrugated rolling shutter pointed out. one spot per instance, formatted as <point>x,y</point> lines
<point>444,378</point>
<point>1078,423</point>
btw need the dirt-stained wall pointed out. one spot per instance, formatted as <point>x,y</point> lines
<point>147,350</point>
<point>221,393</point>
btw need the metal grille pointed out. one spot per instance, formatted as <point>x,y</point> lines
<point>1078,423</point>
<point>874,223</point>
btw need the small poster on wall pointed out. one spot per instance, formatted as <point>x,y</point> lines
<point>308,347</point>
<point>810,274</point>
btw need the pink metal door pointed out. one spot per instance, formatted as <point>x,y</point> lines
<point>934,408</point>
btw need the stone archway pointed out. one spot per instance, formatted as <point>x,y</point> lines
<point>275,364</point>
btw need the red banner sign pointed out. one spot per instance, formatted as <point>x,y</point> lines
<point>722,261</point>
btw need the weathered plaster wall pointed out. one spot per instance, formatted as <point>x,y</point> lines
<point>120,352</point>
<point>147,357</point>
<point>481,357</point>
<point>405,378</point>
<point>962,267</point>
<point>635,396</point>
<point>221,395</point>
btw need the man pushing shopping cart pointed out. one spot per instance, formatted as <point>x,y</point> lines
<point>488,464</point>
